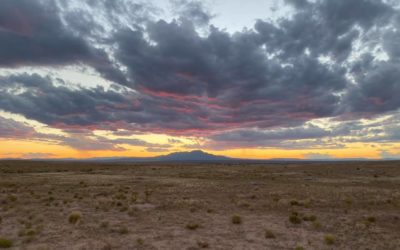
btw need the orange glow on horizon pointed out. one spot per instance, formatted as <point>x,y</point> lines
<point>22,149</point>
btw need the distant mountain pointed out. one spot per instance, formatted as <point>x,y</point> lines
<point>195,155</point>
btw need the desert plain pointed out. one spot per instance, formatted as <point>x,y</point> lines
<point>319,205</point>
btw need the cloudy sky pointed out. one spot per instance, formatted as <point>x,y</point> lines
<point>256,79</point>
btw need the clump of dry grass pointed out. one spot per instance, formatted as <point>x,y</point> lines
<point>147,194</point>
<point>310,218</point>
<point>295,203</point>
<point>74,217</point>
<point>294,218</point>
<point>123,230</point>
<point>236,219</point>
<point>12,198</point>
<point>134,197</point>
<point>104,224</point>
<point>192,226</point>
<point>371,219</point>
<point>5,243</point>
<point>329,239</point>
<point>269,234</point>
<point>316,224</point>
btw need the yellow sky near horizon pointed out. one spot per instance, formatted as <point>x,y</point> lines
<point>38,149</point>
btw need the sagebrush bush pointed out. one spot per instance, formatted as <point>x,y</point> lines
<point>294,219</point>
<point>269,234</point>
<point>329,239</point>
<point>236,219</point>
<point>74,217</point>
<point>192,226</point>
<point>5,243</point>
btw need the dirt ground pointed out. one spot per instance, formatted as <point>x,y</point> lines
<point>196,206</point>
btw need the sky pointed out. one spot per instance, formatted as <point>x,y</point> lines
<point>310,79</point>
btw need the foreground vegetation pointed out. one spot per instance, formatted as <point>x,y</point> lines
<point>189,206</point>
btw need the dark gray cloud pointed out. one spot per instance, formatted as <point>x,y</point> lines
<point>324,27</point>
<point>79,140</point>
<point>225,78</point>
<point>11,129</point>
<point>375,92</point>
<point>309,132</point>
<point>93,143</point>
<point>32,33</point>
<point>39,99</point>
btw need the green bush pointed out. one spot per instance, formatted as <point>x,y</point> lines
<point>5,243</point>
<point>192,226</point>
<point>236,219</point>
<point>269,234</point>
<point>329,239</point>
<point>294,219</point>
<point>74,217</point>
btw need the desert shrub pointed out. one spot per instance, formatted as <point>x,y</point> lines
<point>294,219</point>
<point>310,218</point>
<point>371,219</point>
<point>295,203</point>
<point>104,224</point>
<point>299,248</point>
<point>74,217</point>
<point>269,234</point>
<point>5,243</point>
<point>192,226</point>
<point>120,197</point>
<point>236,219</point>
<point>147,194</point>
<point>329,239</point>
<point>134,197</point>
<point>12,198</point>
<point>123,230</point>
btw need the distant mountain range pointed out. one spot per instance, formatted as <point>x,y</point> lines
<point>194,156</point>
<point>191,156</point>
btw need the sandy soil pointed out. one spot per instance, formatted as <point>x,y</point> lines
<point>189,206</point>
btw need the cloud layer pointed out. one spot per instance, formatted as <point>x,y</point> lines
<point>257,87</point>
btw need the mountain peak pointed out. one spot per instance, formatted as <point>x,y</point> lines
<point>194,155</point>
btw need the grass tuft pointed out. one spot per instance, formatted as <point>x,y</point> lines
<point>329,239</point>
<point>294,219</point>
<point>192,226</point>
<point>74,217</point>
<point>5,243</point>
<point>269,234</point>
<point>236,219</point>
